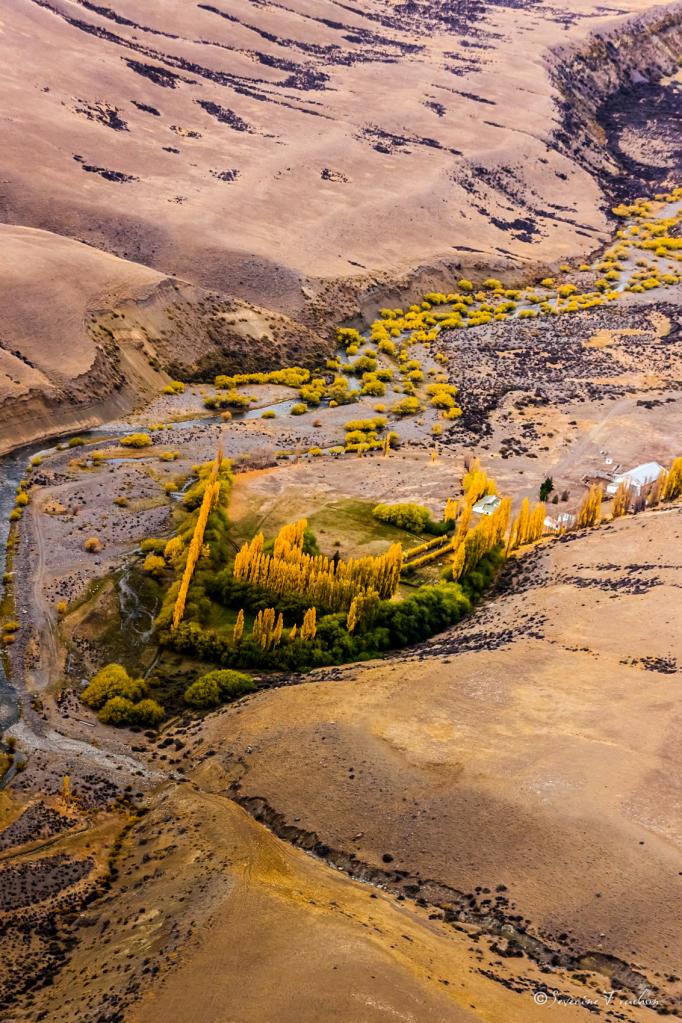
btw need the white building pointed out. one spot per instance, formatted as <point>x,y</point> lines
<point>558,523</point>
<point>487,504</point>
<point>637,479</point>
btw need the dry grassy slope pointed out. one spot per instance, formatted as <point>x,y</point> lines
<point>85,334</point>
<point>302,160</point>
<point>535,747</point>
<point>257,147</point>
<point>212,919</point>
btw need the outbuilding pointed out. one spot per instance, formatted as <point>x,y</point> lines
<point>487,505</point>
<point>559,523</point>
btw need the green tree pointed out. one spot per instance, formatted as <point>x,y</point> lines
<point>217,686</point>
<point>117,711</point>
<point>203,694</point>
<point>546,488</point>
<point>148,712</point>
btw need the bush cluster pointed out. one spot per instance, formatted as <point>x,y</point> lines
<point>120,699</point>
<point>413,517</point>
<point>217,687</point>
<point>136,440</point>
<point>231,399</point>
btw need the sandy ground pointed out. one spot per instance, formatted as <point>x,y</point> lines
<point>228,182</point>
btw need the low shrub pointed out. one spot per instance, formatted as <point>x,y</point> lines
<point>154,565</point>
<point>110,681</point>
<point>216,687</point>
<point>413,517</point>
<point>408,406</point>
<point>229,400</point>
<point>121,711</point>
<point>136,440</point>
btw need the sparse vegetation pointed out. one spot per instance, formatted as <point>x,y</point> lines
<point>136,440</point>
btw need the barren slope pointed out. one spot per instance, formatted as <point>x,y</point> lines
<point>250,146</point>
<point>85,334</point>
<point>318,162</point>
<point>534,748</point>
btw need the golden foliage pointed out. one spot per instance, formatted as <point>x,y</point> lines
<point>672,487</point>
<point>589,513</point>
<point>528,526</point>
<point>238,630</point>
<point>326,582</point>
<point>208,502</point>
<point>479,541</point>
<point>621,501</point>
<point>309,626</point>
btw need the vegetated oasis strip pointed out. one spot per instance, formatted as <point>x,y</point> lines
<point>646,254</point>
<point>283,606</point>
<point>395,361</point>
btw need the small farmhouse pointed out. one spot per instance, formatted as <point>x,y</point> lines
<point>637,479</point>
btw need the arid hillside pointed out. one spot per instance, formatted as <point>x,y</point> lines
<point>316,163</point>
<point>253,146</point>
<point>86,334</point>
<point>520,770</point>
<point>499,809</point>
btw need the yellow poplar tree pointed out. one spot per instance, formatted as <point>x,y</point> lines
<point>621,501</point>
<point>209,501</point>
<point>589,512</point>
<point>672,486</point>
<point>238,630</point>
<point>309,626</point>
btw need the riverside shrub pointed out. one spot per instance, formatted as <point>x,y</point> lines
<point>113,680</point>
<point>136,440</point>
<point>216,687</point>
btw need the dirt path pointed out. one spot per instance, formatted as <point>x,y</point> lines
<point>43,621</point>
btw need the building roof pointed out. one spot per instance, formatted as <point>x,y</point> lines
<point>642,474</point>
<point>487,504</point>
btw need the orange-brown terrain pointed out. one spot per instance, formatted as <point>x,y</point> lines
<point>309,160</point>
<point>498,807</point>
<point>484,826</point>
